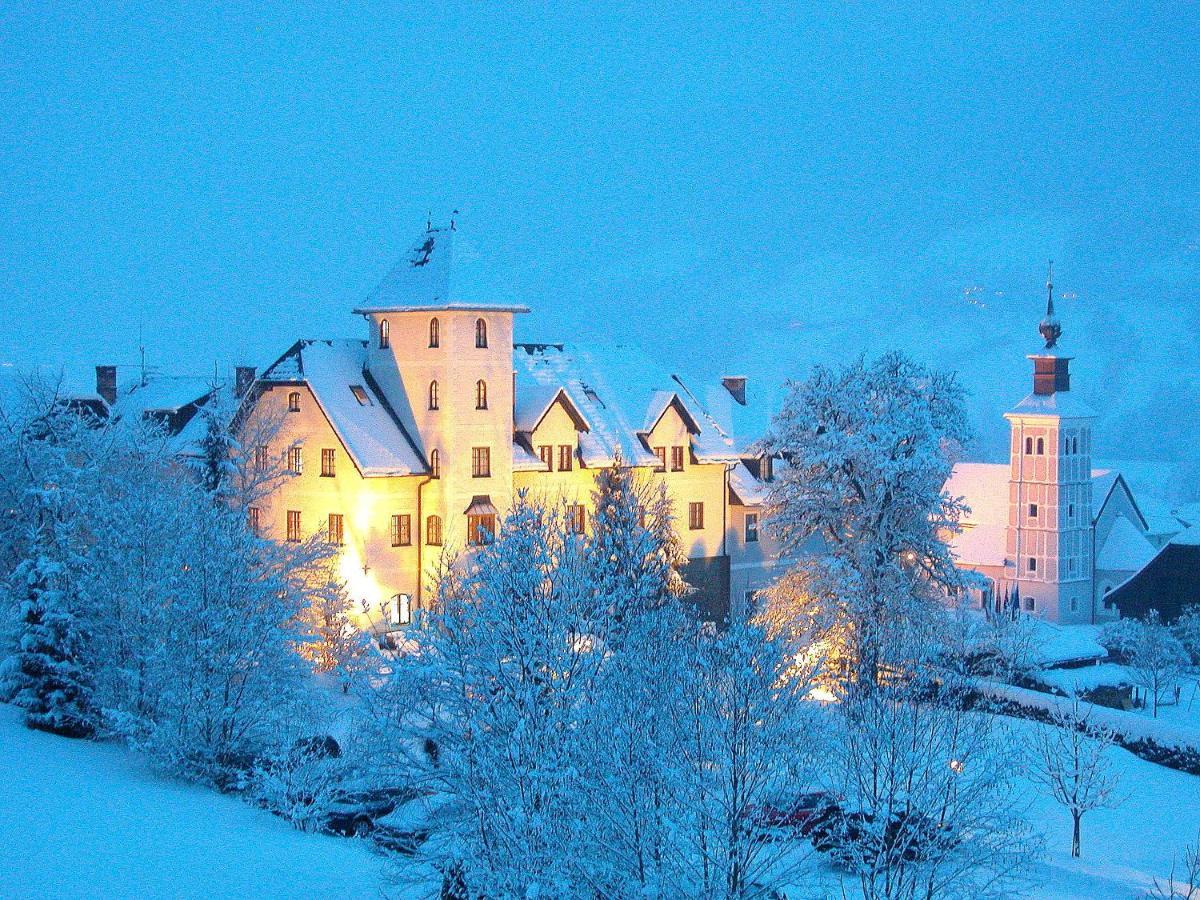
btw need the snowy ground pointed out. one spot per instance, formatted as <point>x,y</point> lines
<point>84,820</point>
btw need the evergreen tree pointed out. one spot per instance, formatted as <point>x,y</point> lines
<point>218,447</point>
<point>46,675</point>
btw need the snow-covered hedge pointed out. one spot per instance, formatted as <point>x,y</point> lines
<point>1172,745</point>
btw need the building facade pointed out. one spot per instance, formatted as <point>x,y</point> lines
<point>411,443</point>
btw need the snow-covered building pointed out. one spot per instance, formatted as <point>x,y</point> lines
<point>1048,530</point>
<point>415,440</point>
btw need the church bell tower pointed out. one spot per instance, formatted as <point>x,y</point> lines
<point>1048,539</point>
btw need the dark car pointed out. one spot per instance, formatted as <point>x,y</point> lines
<point>850,838</point>
<point>413,822</point>
<point>355,809</point>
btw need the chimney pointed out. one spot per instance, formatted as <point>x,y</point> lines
<point>106,383</point>
<point>736,385</point>
<point>243,377</point>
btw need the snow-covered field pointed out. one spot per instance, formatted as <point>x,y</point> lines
<point>1123,848</point>
<point>81,819</point>
<point>84,820</point>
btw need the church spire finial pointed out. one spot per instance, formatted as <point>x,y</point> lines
<point>1049,327</point>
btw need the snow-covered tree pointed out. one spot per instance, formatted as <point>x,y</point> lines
<point>333,642</point>
<point>46,677</point>
<point>1184,881</point>
<point>499,680</point>
<point>1156,658</point>
<point>1187,630</point>
<point>930,804</point>
<point>866,450</point>
<point>748,742</point>
<point>1071,760</point>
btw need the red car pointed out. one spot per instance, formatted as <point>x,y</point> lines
<point>799,814</point>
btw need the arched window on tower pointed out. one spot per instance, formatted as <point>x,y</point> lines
<point>480,333</point>
<point>433,395</point>
<point>1029,446</point>
<point>435,333</point>
<point>385,334</point>
<point>1074,445</point>
<point>435,464</point>
<point>481,394</point>
<point>1041,447</point>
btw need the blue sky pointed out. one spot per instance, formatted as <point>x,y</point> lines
<point>233,179</point>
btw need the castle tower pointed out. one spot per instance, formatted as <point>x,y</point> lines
<point>1049,551</point>
<point>446,367</point>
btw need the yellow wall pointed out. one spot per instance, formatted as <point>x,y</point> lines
<point>366,504</point>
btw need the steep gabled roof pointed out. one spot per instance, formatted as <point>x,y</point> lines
<point>1104,483</point>
<point>1125,549</point>
<point>533,405</point>
<point>370,431</point>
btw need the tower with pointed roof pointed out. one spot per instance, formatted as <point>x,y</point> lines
<point>446,364</point>
<point>1048,538</point>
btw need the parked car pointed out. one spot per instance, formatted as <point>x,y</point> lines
<point>413,822</point>
<point>797,814</point>
<point>852,837</point>
<point>358,805</point>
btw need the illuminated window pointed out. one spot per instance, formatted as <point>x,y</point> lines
<point>361,395</point>
<point>295,460</point>
<point>435,464</point>
<point>751,528</point>
<point>398,610</point>
<point>481,394</point>
<point>480,333</point>
<point>576,518</point>
<point>661,453</point>
<point>433,395</point>
<point>435,333</point>
<point>566,454</point>
<point>481,462</point>
<point>327,463</point>
<point>261,461</point>
<point>546,455</point>
<point>695,516</point>
<point>335,529</point>
<point>433,531</point>
<point>293,525</point>
<point>676,459</point>
<point>401,530</point>
<point>481,529</point>
<point>294,401</point>
<point>385,334</point>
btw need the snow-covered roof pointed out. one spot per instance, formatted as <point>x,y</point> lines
<point>615,397</point>
<point>980,545</point>
<point>748,489</point>
<point>1125,549</point>
<point>371,433</point>
<point>162,393</point>
<point>1059,644</point>
<point>1188,538</point>
<point>984,488</point>
<point>524,460</point>
<point>422,279</point>
<point>1060,403</point>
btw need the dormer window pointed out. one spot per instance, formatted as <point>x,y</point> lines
<point>294,401</point>
<point>385,334</point>
<point>481,394</point>
<point>481,334</point>
<point>360,394</point>
<point>435,333</point>
<point>433,395</point>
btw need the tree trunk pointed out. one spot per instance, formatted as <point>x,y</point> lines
<point>1075,835</point>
